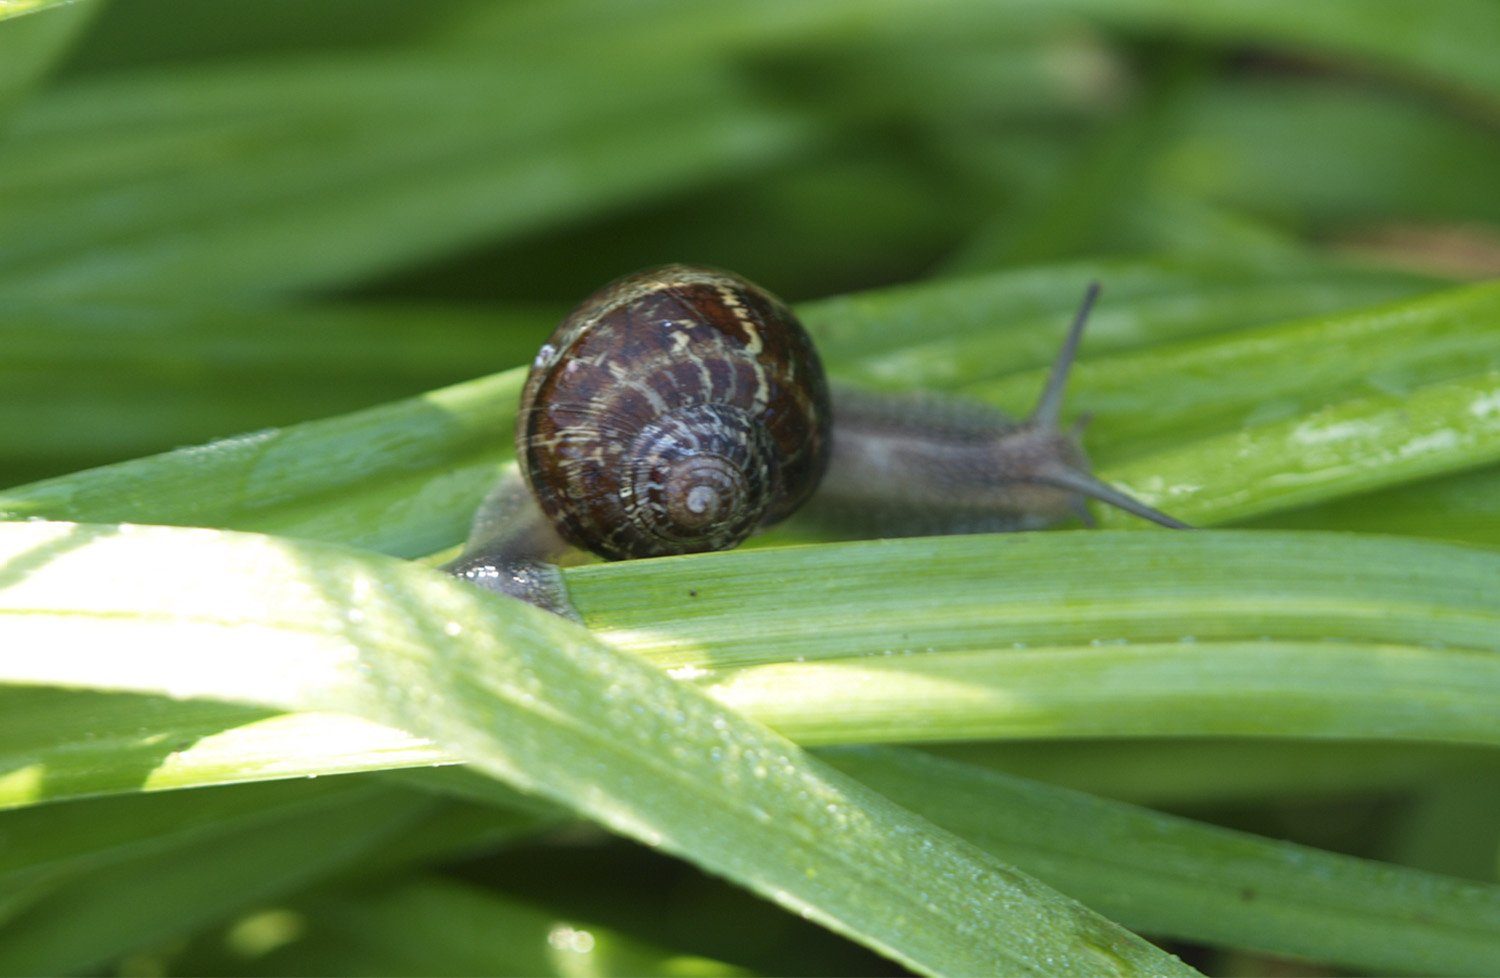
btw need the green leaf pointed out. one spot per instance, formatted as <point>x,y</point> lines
<point>1327,155</point>
<point>1181,879</point>
<point>28,48</point>
<point>956,332</point>
<point>329,170</point>
<point>1146,400</point>
<point>15,8</point>
<point>84,383</point>
<point>56,842</point>
<point>70,743</point>
<point>1461,507</point>
<point>433,927</point>
<point>86,922</point>
<point>538,702</point>
<point>1021,635</point>
<point>1360,444</point>
<point>1075,634</point>
<point>1446,45</point>
<point>417,469</point>
<point>1172,773</point>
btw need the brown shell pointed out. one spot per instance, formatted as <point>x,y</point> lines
<point>732,367</point>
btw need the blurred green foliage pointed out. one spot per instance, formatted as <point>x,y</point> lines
<point>219,218</point>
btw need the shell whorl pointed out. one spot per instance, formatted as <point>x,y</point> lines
<point>700,478</point>
<point>674,411</point>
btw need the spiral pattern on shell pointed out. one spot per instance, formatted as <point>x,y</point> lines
<point>674,411</point>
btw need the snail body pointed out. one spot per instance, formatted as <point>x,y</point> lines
<point>680,409</point>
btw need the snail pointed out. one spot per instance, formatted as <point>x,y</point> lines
<point>682,408</point>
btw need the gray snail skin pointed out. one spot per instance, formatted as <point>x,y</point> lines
<point>682,408</point>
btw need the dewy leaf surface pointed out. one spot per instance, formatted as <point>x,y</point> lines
<point>538,702</point>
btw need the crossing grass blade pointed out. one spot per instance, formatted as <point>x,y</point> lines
<point>1055,635</point>
<point>538,702</point>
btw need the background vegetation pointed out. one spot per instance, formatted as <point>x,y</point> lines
<point>275,268</point>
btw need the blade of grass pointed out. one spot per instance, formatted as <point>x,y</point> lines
<point>1215,771</point>
<point>88,383</point>
<point>15,8</point>
<point>1197,876</point>
<point>435,926</point>
<point>1446,47</point>
<point>83,924</point>
<point>418,467</point>
<point>1346,448</point>
<point>63,744</point>
<point>30,47</point>
<point>1180,879</point>
<point>1325,155</point>
<point>911,335</point>
<point>1075,634</point>
<point>1051,635</point>
<point>1461,507</point>
<point>57,842</point>
<point>535,701</point>
<point>326,171</point>
<point>1148,400</point>
<point>150,33</point>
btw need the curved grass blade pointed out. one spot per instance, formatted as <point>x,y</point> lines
<point>1172,773</point>
<point>62,744</point>
<point>538,702</point>
<point>1197,876</point>
<point>961,330</point>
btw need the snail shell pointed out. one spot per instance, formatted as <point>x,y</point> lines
<point>674,411</point>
